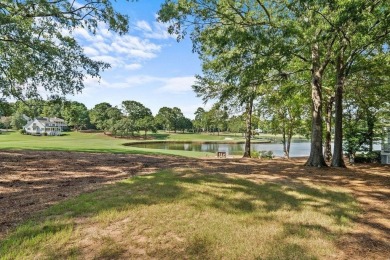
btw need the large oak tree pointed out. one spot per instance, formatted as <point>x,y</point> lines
<point>38,51</point>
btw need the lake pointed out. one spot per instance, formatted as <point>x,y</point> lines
<point>299,148</point>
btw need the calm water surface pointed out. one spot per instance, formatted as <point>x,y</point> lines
<point>298,148</point>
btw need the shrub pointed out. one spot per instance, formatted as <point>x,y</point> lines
<point>44,134</point>
<point>266,154</point>
<point>23,131</point>
<point>255,154</point>
<point>369,157</point>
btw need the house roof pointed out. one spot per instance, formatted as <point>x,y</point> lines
<point>47,121</point>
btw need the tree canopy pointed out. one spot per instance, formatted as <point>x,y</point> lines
<point>242,43</point>
<point>38,51</point>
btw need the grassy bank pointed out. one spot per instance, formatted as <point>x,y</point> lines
<point>98,142</point>
<point>178,214</point>
<point>90,142</point>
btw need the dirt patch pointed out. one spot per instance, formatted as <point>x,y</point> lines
<point>33,180</point>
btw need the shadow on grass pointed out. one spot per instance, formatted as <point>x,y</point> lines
<point>167,187</point>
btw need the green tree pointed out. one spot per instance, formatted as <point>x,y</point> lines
<point>164,118</point>
<point>366,102</point>
<point>114,116</point>
<point>99,116</point>
<point>31,108</point>
<point>37,49</point>
<point>236,124</point>
<point>184,124</point>
<point>52,108</point>
<point>6,109</point>
<point>318,34</point>
<point>169,118</point>
<point>177,119</point>
<point>362,30</point>
<point>135,111</point>
<point>200,121</point>
<point>6,121</point>
<point>146,124</point>
<point>286,109</point>
<point>238,54</point>
<point>18,121</point>
<point>218,117</point>
<point>75,114</point>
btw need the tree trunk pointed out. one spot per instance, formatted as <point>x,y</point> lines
<point>316,158</point>
<point>337,159</point>
<point>370,131</point>
<point>328,134</point>
<point>284,140</point>
<point>248,121</point>
<point>289,137</point>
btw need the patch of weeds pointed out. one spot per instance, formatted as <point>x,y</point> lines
<point>200,247</point>
<point>72,253</point>
<point>295,230</point>
<point>287,251</point>
<point>110,249</point>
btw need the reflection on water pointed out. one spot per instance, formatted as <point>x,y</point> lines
<point>297,149</point>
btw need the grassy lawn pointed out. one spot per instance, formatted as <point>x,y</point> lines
<point>187,214</point>
<point>98,142</point>
<point>94,142</point>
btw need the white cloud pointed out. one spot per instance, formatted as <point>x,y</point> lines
<point>142,79</point>
<point>103,31</point>
<point>173,85</point>
<point>178,84</point>
<point>92,83</point>
<point>90,51</point>
<point>157,30</point>
<point>114,61</point>
<point>115,49</point>
<point>143,25</point>
<point>130,82</point>
<point>142,54</point>
<point>134,46</point>
<point>102,47</point>
<point>83,33</point>
<point>160,31</point>
<point>133,66</point>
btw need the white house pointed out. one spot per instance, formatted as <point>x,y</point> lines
<point>385,153</point>
<point>45,125</point>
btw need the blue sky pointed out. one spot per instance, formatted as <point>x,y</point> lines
<point>148,64</point>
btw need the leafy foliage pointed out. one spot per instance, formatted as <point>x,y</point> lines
<point>76,114</point>
<point>37,49</point>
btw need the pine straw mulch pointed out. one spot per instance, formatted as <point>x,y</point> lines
<point>33,180</point>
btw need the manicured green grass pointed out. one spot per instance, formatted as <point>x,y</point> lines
<point>85,142</point>
<point>186,214</point>
<point>100,143</point>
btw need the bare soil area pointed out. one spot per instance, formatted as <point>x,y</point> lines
<point>31,181</point>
